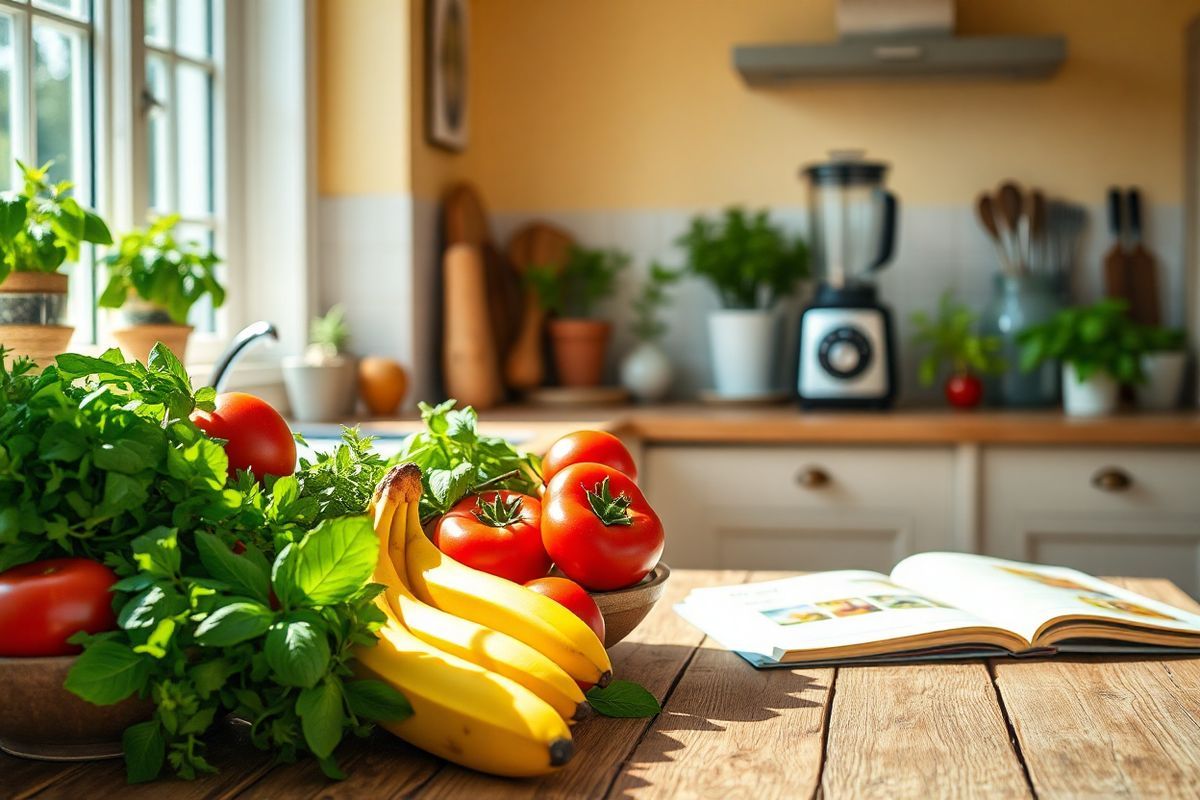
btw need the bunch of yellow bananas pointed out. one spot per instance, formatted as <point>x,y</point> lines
<point>489,667</point>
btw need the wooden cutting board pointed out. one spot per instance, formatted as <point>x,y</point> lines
<point>1142,270</point>
<point>1116,272</point>
<point>470,363</point>
<point>536,244</point>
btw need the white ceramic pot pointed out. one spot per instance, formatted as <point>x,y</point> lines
<point>744,347</point>
<point>1163,388</point>
<point>320,392</point>
<point>1094,397</point>
<point>646,372</point>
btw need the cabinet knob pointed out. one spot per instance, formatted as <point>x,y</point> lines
<point>812,477</point>
<point>1112,479</point>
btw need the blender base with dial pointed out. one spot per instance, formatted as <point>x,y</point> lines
<point>847,359</point>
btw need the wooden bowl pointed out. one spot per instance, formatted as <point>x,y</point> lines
<point>40,719</point>
<point>624,609</point>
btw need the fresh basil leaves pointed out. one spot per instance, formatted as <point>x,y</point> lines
<point>623,699</point>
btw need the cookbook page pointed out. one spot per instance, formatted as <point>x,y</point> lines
<point>829,609</point>
<point>1022,597</point>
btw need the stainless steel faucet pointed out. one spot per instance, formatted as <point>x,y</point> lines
<point>245,337</point>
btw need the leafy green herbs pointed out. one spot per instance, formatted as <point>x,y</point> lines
<point>647,325</point>
<point>229,634</point>
<point>1096,338</point>
<point>456,461</point>
<point>341,480</point>
<point>750,262</point>
<point>950,338</point>
<point>42,227</point>
<point>623,699</point>
<point>573,289</point>
<point>162,271</point>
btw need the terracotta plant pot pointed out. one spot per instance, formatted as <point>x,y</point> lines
<point>40,719</point>
<point>33,306</point>
<point>579,348</point>
<point>136,341</point>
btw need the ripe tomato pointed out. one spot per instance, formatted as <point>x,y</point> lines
<point>964,391</point>
<point>574,598</point>
<point>596,447</point>
<point>44,603</point>
<point>598,528</point>
<point>496,532</point>
<point>257,437</point>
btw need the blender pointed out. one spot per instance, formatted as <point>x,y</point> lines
<point>846,353</point>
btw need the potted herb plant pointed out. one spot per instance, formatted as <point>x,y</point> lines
<point>950,340</point>
<point>321,383</point>
<point>752,265</point>
<point>41,230</point>
<point>646,370</point>
<point>569,294</point>
<point>155,280</point>
<point>1163,364</point>
<point>1099,348</point>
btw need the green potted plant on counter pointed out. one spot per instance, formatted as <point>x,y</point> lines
<point>751,264</point>
<point>154,279</point>
<point>646,371</point>
<point>570,294</point>
<point>950,340</point>
<point>41,229</point>
<point>321,384</point>
<point>1099,349</point>
<point>1163,364</point>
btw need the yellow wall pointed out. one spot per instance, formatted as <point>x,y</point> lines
<point>363,128</point>
<point>633,103</point>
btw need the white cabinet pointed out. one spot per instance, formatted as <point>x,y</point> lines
<point>801,508</point>
<point>1123,511</point>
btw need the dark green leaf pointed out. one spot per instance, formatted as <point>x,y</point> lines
<point>297,651</point>
<point>62,441</point>
<point>234,623</point>
<point>12,213</point>
<point>163,360</point>
<point>321,717</point>
<point>145,749</point>
<point>150,607</point>
<point>375,700</point>
<point>107,672</point>
<point>335,560</point>
<point>156,552</point>
<point>243,574</point>
<point>623,699</point>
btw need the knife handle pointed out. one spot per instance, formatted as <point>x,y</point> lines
<point>1134,198</point>
<point>1114,211</point>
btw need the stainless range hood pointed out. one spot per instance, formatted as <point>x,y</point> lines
<point>900,39</point>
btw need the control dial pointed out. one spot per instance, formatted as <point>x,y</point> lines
<point>844,352</point>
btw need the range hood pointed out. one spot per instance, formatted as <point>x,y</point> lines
<point>900,39</point>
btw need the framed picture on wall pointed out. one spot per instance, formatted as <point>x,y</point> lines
<point>446,106</point>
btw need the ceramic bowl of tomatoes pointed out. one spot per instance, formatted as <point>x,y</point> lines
<point>624,609</point>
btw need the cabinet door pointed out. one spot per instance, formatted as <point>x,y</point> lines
<point>1107,511</point>
<point>794,508</point>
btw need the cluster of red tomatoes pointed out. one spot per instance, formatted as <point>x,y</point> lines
<point>591,522</point>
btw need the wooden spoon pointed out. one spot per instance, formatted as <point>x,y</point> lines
<point>1009,202</point>
<point>986,210</point>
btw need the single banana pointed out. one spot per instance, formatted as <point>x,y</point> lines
<point>468,640</point>
<point>463,712</point>
<point>496,603</point>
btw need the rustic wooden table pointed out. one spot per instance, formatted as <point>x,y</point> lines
<point>1051,728</point>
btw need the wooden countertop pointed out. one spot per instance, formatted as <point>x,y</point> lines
<point>1064,727</point>
<point>536,427</point>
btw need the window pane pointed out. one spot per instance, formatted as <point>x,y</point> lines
<point>8,93</point>
<point>193,28</point>
<point>202,315</point>
<point>156,24</point>
<point>160,156</point>
<point>57,95</point>
<point>72,8</point>
<point>194,119</point>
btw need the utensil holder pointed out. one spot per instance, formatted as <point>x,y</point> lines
<point>1020,302</point>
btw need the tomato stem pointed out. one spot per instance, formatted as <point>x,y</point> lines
<point>610,510</point>
<point>498,513</point>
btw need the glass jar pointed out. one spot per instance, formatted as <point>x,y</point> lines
<point>1018,303</point>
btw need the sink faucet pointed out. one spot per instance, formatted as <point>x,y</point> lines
<point>245,337</point>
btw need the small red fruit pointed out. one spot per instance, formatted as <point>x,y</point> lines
<point>574,598</point>
<point>964,391</point>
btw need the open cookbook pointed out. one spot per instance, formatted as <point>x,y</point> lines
<point>936,606</point>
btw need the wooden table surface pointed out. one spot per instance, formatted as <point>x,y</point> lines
<point>1069,727</point>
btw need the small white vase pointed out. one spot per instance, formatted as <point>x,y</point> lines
<point>320,392</point>
<point>1095,397</point>
<point>1163,387</point>
<point>744,347</point>
<point>646,372</point>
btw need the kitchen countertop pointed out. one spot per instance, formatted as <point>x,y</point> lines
<point>1065,727</point>
<point>534,428</point>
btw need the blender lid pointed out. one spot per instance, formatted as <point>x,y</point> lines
<point>845,167</point>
